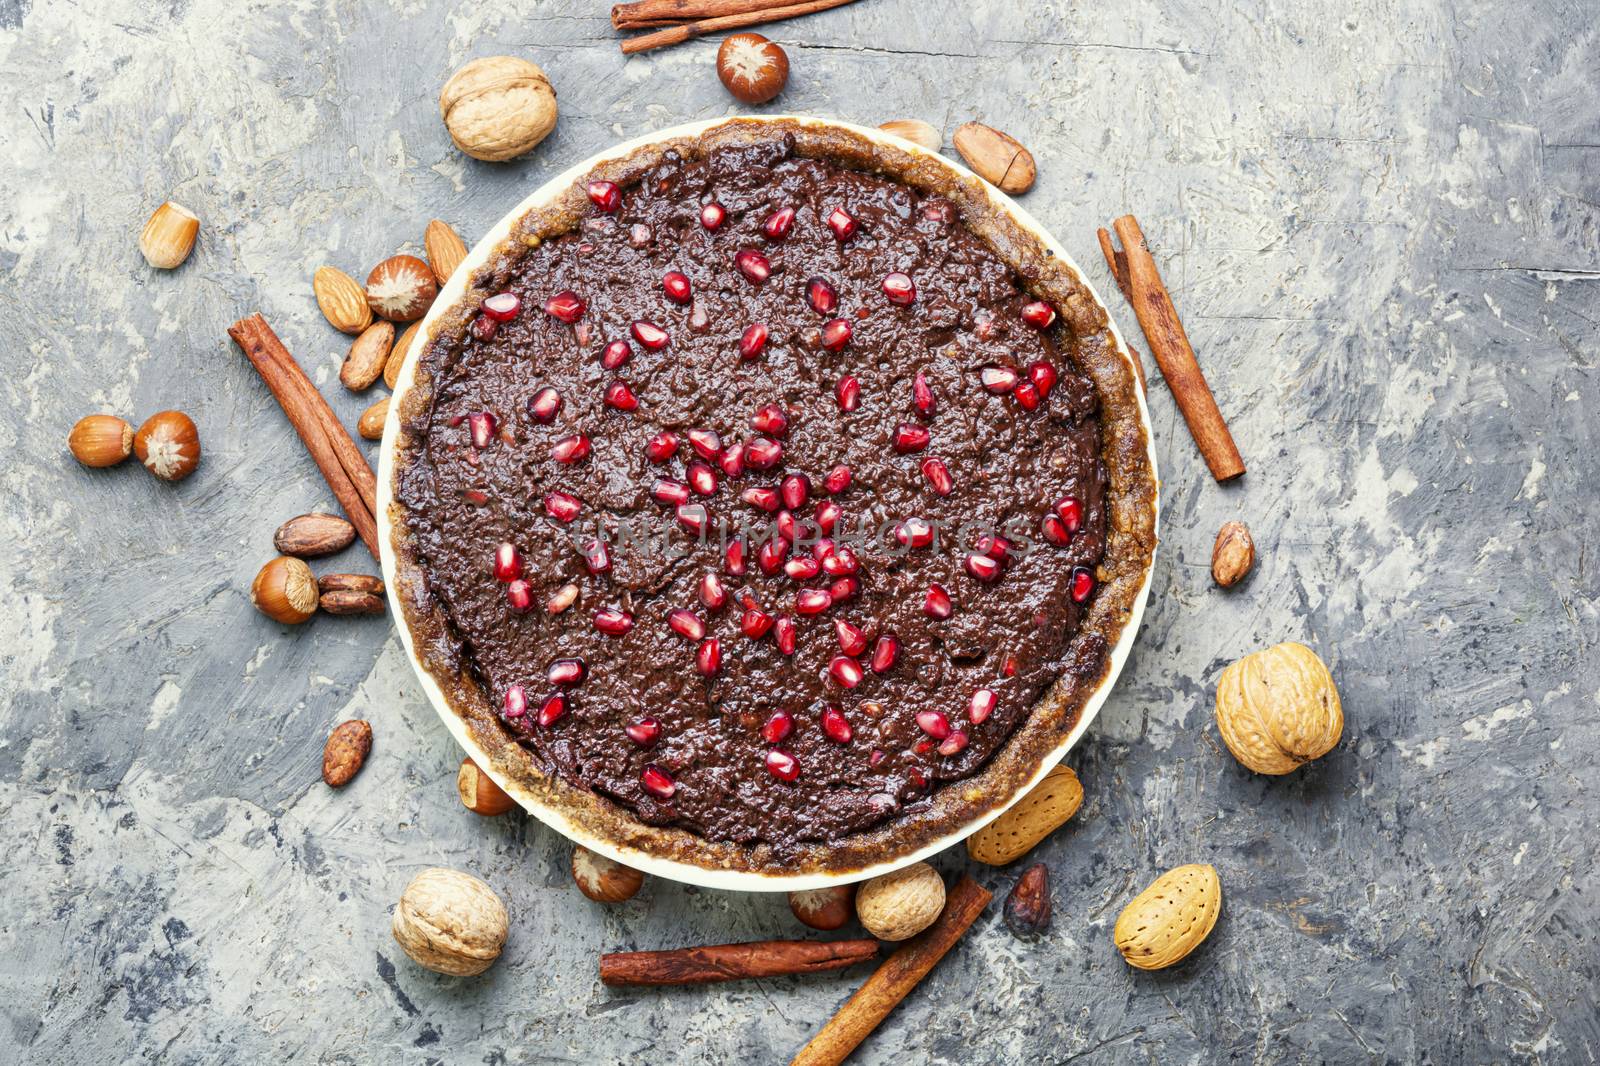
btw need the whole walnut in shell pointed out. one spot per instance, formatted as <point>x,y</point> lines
<point>1278,709</point>
<point>498,107</point>
<point>451,922</point>
<point>900,905</point>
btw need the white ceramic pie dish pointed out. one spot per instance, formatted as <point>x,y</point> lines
<point>675,869</point>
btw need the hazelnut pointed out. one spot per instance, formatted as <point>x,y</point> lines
<point>752,68</point>
<point>100,440</point>
<point>604,880</point>
<point>285,590</point>
<point>900,905</point>
<point>1233,556</point>
<point>824,908</point>
<point>479,794</point>
<point>1278,709</point>
<point>498,107</point>
<point>168,445</point>
<point>401,289</point>
<point>168,237</point>
<point>346,752</point>
<point>451,922</point>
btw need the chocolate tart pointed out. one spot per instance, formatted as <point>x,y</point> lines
<point>836,472</point>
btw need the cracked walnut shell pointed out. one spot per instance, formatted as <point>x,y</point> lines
<point>498,107</point>
<point>451,922</point>
<point>1278,709</point>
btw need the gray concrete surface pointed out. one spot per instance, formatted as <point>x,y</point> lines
<point>1381,221</point>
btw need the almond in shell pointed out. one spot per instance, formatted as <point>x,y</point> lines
<point>1171,918</point>
<point>1041,812</point>
<point>343,302</point>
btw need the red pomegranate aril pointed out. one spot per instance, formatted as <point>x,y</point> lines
<point>1082,584</point>
<point>675,283</point>
<point>933,723</point>
<point>916,778</point>
<point>1070,509</point>
<point>910,438</point>
<point>644,732</point>
<point>836,334</point>
<point>562,507</point>
<point>481,425</point>
<point>640,234</point>
<point>1043,376</point>
<point>784,767</point>
<point>507,562</point>
<point>982,567</point>
<point>502,306</point>
<point>843,226</point>
<point>484,328</point>
<point>713,215</point>
<point>876,757</point>
<point>795,490</point>
<point>702,478</point>
<point>1027,395</point>
<point>836,725</point>
<point>662,446</point>
<point>770,419</point>
<point>752,341</point>
<point>848,393</point>
<point>657,782</point>
<point>519,594</point>
<point>812,601</point>
<point>731,461</point>
<point>706,443</point>
<point>552,710</point>
<point>1038,314</point>
<point>845,670</point>
<point>938,476</point>
<point>788,528</point>
<point>613,621</point>
<point>753,265</point>
<point>650,335</point>
<point>884,653</point>
<point>476,497</point>
<point>570,449</point>
<point>772,555</point>
<point>605,195</point>
<point>821,297</point>
<point>597,557</point>
<point>566,672</point>
<point>665,490</point>
<point>844,589</point>
<point>996,548</point>
<point>516,703</point>
<point>1055,531</point>
<point>762,453</point>
<point>565,306</point>
<point>777,727</point>
<point>982,705</point>
<point>621,397</point>
<point>755,623</point>
<point>838,479</point>
<point>764,498</point>
<point>686,624</point>
<point>840,562</point>
<point>899,288</point>
<point>615,354</point>
<point>544,405</point>
<point>914,533</point>
<point>783,634</point>
<point>1010,666</point>
<point>937,602</point>
<point>801,568</point>
<point>953,743</point>
<point>693,517</point>
<point>922,395</point>
<point>712,594</point>
<point>778,224</point>
<point>708,658</point>
<point>827,515</point>
<point>998,379</point>
<point>852,641</point>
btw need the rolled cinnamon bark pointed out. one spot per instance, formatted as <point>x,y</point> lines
<point>732,962</point>
<point>690,30</point>
<point>647,14</point>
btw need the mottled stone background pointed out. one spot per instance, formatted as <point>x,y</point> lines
<point>1381,223</point>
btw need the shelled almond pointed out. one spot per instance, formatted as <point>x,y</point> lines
<point>343,302</point>
<point>445,250</point>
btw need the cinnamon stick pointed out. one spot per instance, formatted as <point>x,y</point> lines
<point>731,962</point>
<point>892,981</point>
<point>336,454</point>
<point>690,30</point>
<point>1119,272</point>
<point>1170,346</point>
<point>647,14</point>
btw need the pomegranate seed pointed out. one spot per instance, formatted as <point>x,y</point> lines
<point>562,507</point>
<point>566,672</point>
<point>812,601</point>
<point>675,283</point>
<point>852,641</point>
<point>615,354</point>
<point>764,498</point>
<point>544,405</point>
<point>876,757</point>
<point>476,497</point>
<point>665,490</point>
<point>613,621</point>
<point>484,328</point>
<point>1039,314</point>
<point>916,778</point>
<point>561,598</point>
<point>552,710</point>
<point>1043,376</point>
<point>762,453</point>
<point>620,397</point>
<point>836,725</point>
<point>1070,508</point>
<point>702,478</point>
<point>998,379</point>
<point>516,702</point>
<point>884,653</point>
<point>712,594</point>
<point>802,568</point>
<point>848,393</point>
<point>778,224</point>
<point>838,479</point>
<point>770,419</point>
<point>706,443</point>
<point>778,726</point>
<point>982,706</point>
<point>1055,531</point>
<point>910,438</point>
<point>1010,667</point>
<point>982,567</point>
<point>787,526</point>
<point>502,306</point>
<point>481,425</point>
<point>836,334</point>
<point>640,234</point>
<point>922,395</point>
<point>933,723</point>
<point>1082,584</point>
<point>657,782</point>
<point>597,557</point>
<point>507,562</point>
<point>827,516</point>
<point>570,449</point>
<point>772,554</point>
<point>687,624</point>
<point>565,306</point>
<point>996,548</point>
<point>1027,395</point>
<point>795,489</point>
<point>662,446</point>
<point>650,335</point>
<point>783,633</point>
<point>937,603</point>
<point>821,296</point>
<point>712,215</point>
<point>519,594</point>
<point>732,461</point>
<point>755,623</point>
<point>843,226</point>
<point>693,517</point>
<point>783,765</point>
<point>953,743</point>
<point>838,563</point>
<point>753,340</point>
<point>605,195</point>
<point>844,589</point>
<point>899,288</point>
<point>753,265</point>
<point>938,476</point>
<point>914,533</point>
<point>644,732</point>
<point>708,659</point>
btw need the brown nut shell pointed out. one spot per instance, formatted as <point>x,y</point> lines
<point>168,237</point>
<point>1046,807</point>
<point>168,445</point>
<point>1233,556</point>
<point>752,68</point>
<point>604,880</point>
<point>401,289</point>
<point>1168,920</point>
<point>479,794</point>
<point>451,922</point>
<point>364,362</point>
<point>996,157</point>
<point>498,107</point>
<point>824,908</point>
<point>1278,709</point>
<point>285,590</point>
<point>346,752</point>
<point>311,535</point>
<point>100,440</point>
